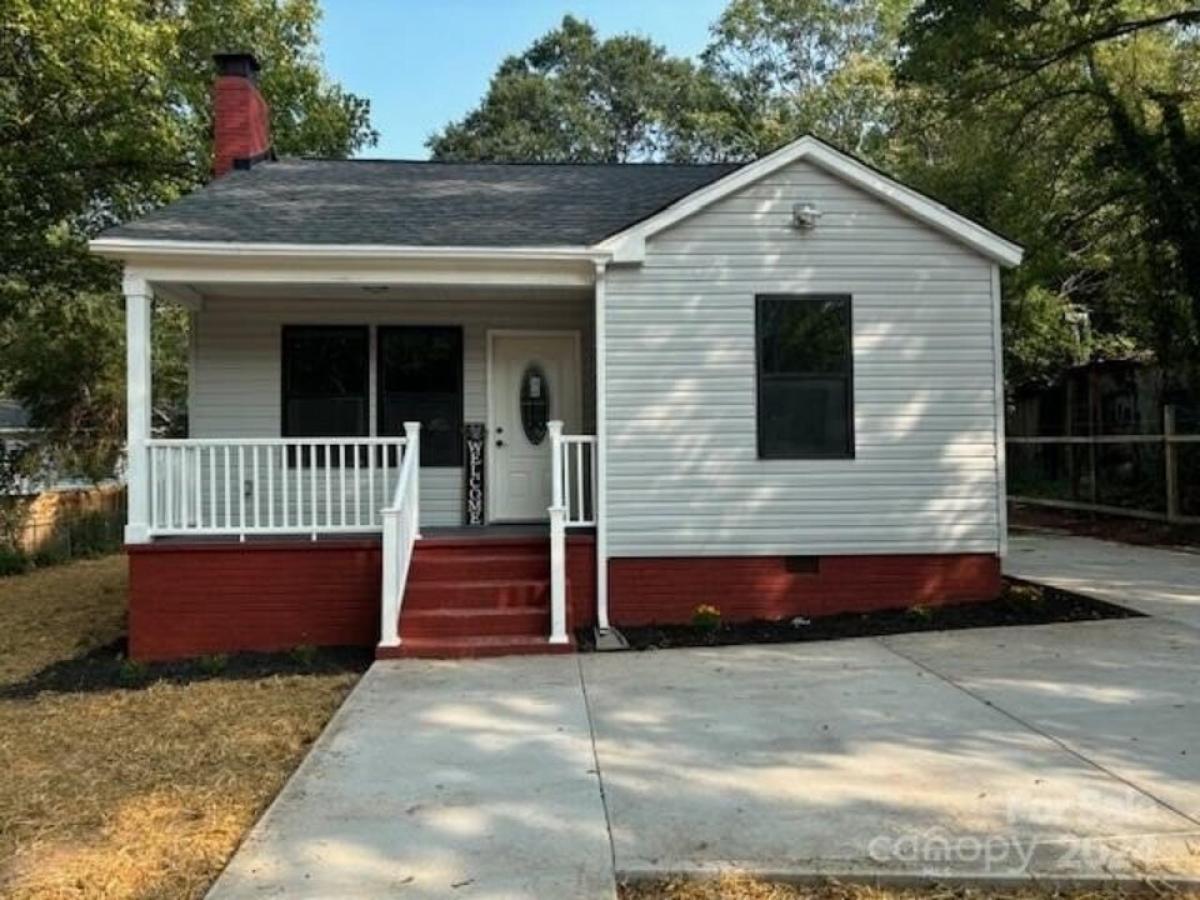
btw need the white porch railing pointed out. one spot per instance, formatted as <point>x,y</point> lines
<point>401,528</point>
<point>258,486</point>
<point>575,454</point>
<point>572,505</point>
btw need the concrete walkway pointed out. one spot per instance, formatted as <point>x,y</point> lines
<point>1060,750</point>
<point>440,779</point>
<point>1157,582</point>
<point>1065,750</point>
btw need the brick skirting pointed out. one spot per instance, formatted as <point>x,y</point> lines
<point>189,599</point>
<point>193,598</point>
<point>646,591</point>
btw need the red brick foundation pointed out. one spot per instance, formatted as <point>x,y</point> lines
<point>581,581</point>
<point>648,591</point>
<point>189,599</point>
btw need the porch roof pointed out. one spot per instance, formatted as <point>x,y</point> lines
<point>422,204</point>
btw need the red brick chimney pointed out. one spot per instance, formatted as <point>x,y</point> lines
<point>241,119</point>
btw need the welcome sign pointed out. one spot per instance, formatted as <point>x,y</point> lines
<point>474,435</point>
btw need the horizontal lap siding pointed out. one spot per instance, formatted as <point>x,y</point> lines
<point>235,372</point>
<point>683,473</point>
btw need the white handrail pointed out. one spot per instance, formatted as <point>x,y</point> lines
<point>572,505</point>
<point>270,486</point>
<point>401,528</point>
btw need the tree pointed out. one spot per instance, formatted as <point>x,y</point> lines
<point>791,67</point>
<point>571,97</point>
<point>1102,100</point>
<point>104,113</point>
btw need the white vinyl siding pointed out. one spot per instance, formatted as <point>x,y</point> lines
<point>683,473</point>
<point>235,390</point>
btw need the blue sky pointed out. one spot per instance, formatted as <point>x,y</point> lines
<point>425,63</point>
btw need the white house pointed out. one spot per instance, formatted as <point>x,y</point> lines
<point>775,388</point>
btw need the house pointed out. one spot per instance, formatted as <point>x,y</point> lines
<point>462,409</point>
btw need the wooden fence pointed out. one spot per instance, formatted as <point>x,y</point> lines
<point>66,523</point>
<point>1148,476</point>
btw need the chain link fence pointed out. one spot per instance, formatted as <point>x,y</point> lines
<point>55,526</point>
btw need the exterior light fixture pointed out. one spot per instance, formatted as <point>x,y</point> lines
<point>805,215</point>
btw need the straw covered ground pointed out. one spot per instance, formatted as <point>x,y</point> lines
<point>735,887</point>
<point>123,780</point>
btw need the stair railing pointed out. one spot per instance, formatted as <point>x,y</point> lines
<point>572,505</point>
<point>401,529</point>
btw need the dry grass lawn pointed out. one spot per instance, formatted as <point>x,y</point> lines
<point>741,888</point>
<point>125,792</point>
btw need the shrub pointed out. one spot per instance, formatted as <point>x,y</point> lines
<point>1025,596</point>
<point>213,664</point>
<point>132,671</point>
<point>304,655</point>
<point>51,554</point>
<point>13,561</point>
<point>921,612</point>
<point>706,618</point>
<point>94,534</point>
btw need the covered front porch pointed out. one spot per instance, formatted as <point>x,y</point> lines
<point>370,402</point>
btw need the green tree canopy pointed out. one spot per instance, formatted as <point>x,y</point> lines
<point>573,97</point>
<point>791,67</point>
<point>105,111</point>
<point>1075,126</point>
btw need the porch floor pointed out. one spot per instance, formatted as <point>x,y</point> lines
<point>465,533</point>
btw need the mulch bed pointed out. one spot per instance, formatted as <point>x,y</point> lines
<point>1020,604</point>
<point>109,668</point>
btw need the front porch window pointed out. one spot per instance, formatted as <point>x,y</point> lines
<point>326,386</point>
<point>421,380</point>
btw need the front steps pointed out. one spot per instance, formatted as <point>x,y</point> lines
<point>475,597</point>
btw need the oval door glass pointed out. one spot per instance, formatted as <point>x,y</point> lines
<point>535,403</point>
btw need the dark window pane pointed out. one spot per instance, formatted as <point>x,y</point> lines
<point>325,382</point>
<point>420,379</point>
<point>801,336</point>
<point>804,417</point>
<point>805,402</point>
<point>326,416</point>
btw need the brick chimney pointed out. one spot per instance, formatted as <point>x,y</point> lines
<point>241,119</point>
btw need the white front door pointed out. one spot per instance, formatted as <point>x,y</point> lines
<point>534,378</point>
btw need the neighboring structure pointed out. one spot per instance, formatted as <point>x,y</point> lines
<point>1112,396</point>
<point>46,510</point>
<point>775,388</point>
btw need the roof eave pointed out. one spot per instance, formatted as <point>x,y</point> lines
<point>139,249</point>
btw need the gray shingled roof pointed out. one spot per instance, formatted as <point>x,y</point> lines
<point>12,415</point>
<point>422,203</point>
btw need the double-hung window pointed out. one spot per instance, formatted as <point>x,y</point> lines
<point>325,381</point>
<point>421,380</point>
<point>805,376</point>
<point>326,386</point>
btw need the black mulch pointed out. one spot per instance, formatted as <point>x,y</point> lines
<point>109,668</point>
<point>1019,604</point>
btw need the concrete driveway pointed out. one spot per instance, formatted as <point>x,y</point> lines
<point>1155,581</point>
<point>1059,750</point>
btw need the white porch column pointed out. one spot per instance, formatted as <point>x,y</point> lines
<point>139,303</point>
<point>601,499</point>
<point>558,538</point>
